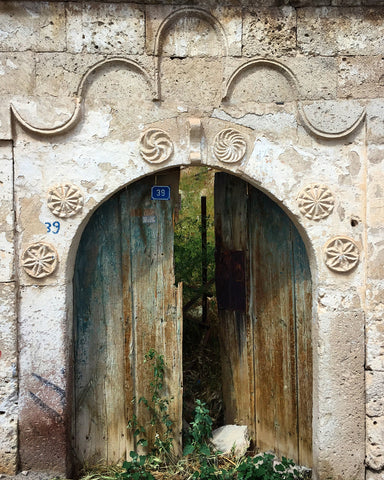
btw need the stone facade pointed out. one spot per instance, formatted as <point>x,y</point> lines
<point>91,92</point>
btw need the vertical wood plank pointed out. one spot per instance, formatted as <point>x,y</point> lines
<point>99,422</point>
<point>125,304</point>
<point>274,334</point>
<point>277,337</point>
<point>303,309</point>
<point>234,325</point>
<point>153,304</point>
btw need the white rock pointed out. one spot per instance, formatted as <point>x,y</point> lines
<point>231,437</point>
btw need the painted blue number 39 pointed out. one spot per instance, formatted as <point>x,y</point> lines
<point>159,192</point>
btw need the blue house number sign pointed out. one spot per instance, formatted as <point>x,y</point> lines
<point>161,192</point>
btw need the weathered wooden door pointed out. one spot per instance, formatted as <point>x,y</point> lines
<point>263,286</point>
<point>125,303</point>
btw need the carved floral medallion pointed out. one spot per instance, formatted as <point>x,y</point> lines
<point>316,201</point>
<point>341,254</point>
<point>65,200</point>
<point>229,146</point>
<point>39,260</point>
<point>156,146</point>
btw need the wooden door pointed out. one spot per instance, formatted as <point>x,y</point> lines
<point>125,303</point>
<point>264,297</point>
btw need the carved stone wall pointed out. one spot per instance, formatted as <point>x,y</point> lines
<point>95,95</point>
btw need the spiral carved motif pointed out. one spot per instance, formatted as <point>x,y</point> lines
<point>39,260</point>
<point>229,146</point>
<point>65,200</point>
<point>156,146</point>
<point>316,201</point>
<point>341,254</point>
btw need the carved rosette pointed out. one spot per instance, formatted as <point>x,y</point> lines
<point>65,200</point>
<point>341,254</point>
<point>40,260</point>
<point>156,146</point>
<point>229,146</point>
<point>316,201</point>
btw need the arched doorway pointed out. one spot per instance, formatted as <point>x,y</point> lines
<point>126,302</point>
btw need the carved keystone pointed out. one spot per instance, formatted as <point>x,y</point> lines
<point>195,135</point>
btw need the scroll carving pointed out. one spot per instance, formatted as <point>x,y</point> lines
<point>341,254</point>
<point>156,146</point>
<point>39,260</point>
<point>229,146</point>
<point>316,201</point>
<point>65,200</point>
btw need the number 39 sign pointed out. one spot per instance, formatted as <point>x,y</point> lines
<point>159,192</point>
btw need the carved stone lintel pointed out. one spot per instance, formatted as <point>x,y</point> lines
<point>341,254</point>
<point>195,135</point>
<point>40,260</point>
<point>156,146</point>
<point>316,201</point>
<point>65,200</point>
<point>229,146</point>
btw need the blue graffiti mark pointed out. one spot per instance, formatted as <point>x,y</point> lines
<point>49,384</point>
<point>46,408</point>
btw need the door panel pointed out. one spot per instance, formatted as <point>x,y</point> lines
<point>125,303</point>
<point>276,398</point>
<point>231,271</point>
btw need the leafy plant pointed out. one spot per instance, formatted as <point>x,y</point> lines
<point>157,406</point>
<point>199,461</point>
<point>263,467</point>
<point>135,469</point>
<point>200,431</point>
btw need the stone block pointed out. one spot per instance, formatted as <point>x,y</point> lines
<point>43,362</point>
<point>340,31</point>
<point>371,475</point>
<point>194,33</point>
<point>375,341</point>
<point>375,122</point>
<point>269,31</point>
<point>17,73</point>
<point>6,213</point>
<point>8,379</point>
<point>361,77</point>
<point>28,25</point>
<point>375,393</point>
<point>116,28</point>
<point>375,447</point>
<point>180,83</point>
<point>375,253</point>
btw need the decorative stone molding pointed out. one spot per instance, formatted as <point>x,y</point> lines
<point>316,201</point>
<point>229,146</point>
<point>341,254</point>
<point>156,146</point>
<point>65,200</point>
<point>261,63</point>
<point>76,115</point>
<point>332,118</point>
<point>40,260</point>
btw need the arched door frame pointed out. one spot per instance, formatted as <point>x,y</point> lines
<point>294,218</point>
